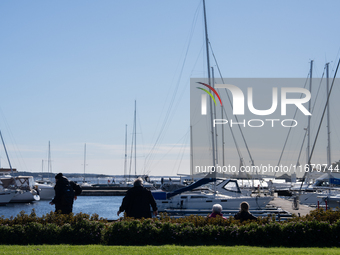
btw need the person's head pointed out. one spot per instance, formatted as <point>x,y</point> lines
<point>58,176</point>
<point>244,207</point>
<point>217,208</point>
<point>138,182</point>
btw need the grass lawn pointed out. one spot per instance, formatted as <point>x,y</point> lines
<point>165,249</point>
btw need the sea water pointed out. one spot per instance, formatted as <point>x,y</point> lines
<point>105,206</point>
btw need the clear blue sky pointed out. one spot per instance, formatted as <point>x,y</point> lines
<point>71,70</point>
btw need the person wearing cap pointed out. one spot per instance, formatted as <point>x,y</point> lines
<point>137,202</point>
<point>64,194</point>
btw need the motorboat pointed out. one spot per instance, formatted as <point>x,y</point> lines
<point>195,196</point>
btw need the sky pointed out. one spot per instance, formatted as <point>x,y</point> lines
<point>71,71</point>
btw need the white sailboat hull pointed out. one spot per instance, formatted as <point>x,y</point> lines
<point>46,192</point>
<point>24,197</point>
<point>6,196</point>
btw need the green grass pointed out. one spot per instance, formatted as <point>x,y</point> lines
<point>151,250</point>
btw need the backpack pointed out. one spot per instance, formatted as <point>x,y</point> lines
<point>68,195</point>
<point>77,189</point>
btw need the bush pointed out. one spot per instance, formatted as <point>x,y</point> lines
<point>320,228</point>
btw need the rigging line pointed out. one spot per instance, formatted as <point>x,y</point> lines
<point>191,32</point>
<point>184,148</point>
<point>244,139</point>
<point>235,142</point>
<point>132,143</point>
<point>290,129</point>
<point>170,149</point>
<point>17,151</point>
<point>319,88</point>
<point>323,114</point>
<point>166,119</point>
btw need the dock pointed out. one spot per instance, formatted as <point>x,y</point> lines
<point>287,205</point>
<point>104,190</point>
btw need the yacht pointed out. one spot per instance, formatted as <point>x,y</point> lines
<point>195,196</point>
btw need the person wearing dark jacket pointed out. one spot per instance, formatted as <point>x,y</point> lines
<point>137,202</point>
<point>64,194</point>
<point>244,213</point>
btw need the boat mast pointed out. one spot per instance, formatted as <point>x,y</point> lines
<point>84,161</point>
<point>191,153</point>
<point>49,165</point>
<point>329,161</point>
<point>213,85</point>
<point>135,141</point>
<point>309,108</point>
<point>125,161</point>
<point>209,82</point>
<point>9,162</point>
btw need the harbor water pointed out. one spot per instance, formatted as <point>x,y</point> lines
<point>104,206</point>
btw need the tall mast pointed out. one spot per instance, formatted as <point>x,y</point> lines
<point>125,161</point>
<point>84,160</point>
<point>329,161</point>
<point>9,162</point>
<point>49,165</point>
<point>135,141</point>
<point>309,108</point>
<point>209,82</point>
<point>191,153</point>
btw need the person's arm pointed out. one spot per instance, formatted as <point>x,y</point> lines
<point>153,204</point>
<point>58,194</point>
<point>125,202</point>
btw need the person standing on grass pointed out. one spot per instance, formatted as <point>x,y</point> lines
<point>137,202</point>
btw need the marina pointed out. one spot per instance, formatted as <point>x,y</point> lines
<point>107,207</point>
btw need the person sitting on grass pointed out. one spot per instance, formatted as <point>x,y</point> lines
<point>216,210</point>
<point>244,213</point>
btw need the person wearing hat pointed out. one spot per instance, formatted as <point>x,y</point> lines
<point>65,193</point>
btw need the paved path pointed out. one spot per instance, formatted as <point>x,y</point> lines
<point>286,205</point>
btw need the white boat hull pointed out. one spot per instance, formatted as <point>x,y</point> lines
<point>46,192</point>
<point>6,196</point>
<point>205,202</point>
<point>24,197</point>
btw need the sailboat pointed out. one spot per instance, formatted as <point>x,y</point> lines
<point>227,193</point>
<point>21,186</point>
<point>44,186</point>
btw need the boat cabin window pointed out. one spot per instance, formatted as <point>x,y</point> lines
<point>232,186</point>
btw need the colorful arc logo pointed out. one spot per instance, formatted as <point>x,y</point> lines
<point>213,90</point>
